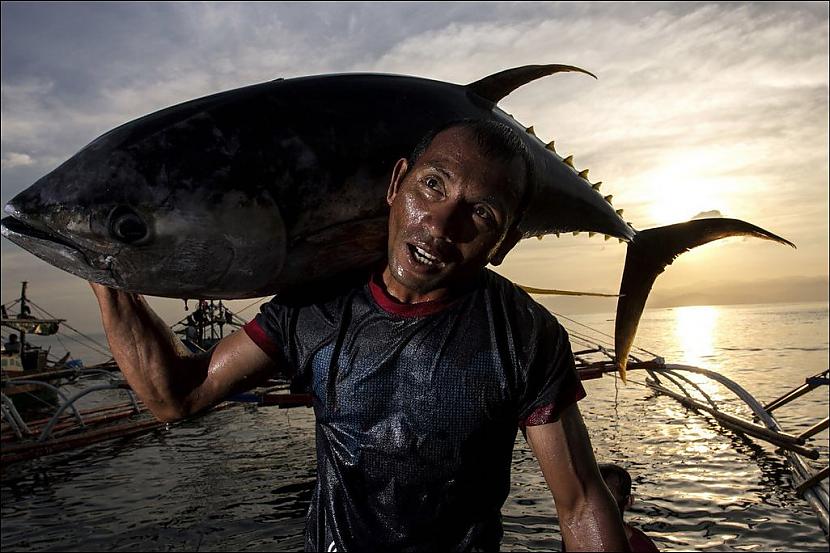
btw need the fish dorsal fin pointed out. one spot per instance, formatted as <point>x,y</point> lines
<point>497,86</point>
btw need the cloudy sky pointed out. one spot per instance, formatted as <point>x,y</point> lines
<point>698,108</point>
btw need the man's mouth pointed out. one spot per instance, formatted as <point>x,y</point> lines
<point>423,257</point>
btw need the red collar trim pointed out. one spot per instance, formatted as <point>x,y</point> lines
<point>391,305</point>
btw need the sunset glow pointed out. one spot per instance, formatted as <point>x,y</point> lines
<point>684,186</point>
<point>697,109</point>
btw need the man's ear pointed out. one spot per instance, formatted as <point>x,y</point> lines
<point>398,173</point>
<point>512,238</point>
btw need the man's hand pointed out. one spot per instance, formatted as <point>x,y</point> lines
<point>170,380</point>
<point>588,516</point>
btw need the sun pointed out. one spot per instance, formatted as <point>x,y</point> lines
<point>686,184</point>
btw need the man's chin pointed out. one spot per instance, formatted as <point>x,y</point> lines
<point>418,283</point>
<point>427,283</point>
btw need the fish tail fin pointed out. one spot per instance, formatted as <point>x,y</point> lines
<point>649,252</point>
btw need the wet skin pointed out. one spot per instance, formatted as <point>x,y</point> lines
<point>451,214</point>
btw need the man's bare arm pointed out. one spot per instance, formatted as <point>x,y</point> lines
<point>588,516</point>
<point>173,382</point>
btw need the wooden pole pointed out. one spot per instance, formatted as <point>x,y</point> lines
<point>813,480</point>
<point>815,430</point>
<point>784,441</point>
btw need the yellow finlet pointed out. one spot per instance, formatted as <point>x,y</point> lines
<point>584,174</point>
<point>540,237</point>
<point>620,212</point>
<point>607,237</point>
<point>530,130</point>
<point>576,233</point>
<point>555,292</point>
<point>608,198</point>
<point>569,161</point>
<point>550,147</point>
<point>591,233</point>
<point>596,185</point>
<point>622,371</point>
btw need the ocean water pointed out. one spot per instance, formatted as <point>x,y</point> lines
<point>241,479</point>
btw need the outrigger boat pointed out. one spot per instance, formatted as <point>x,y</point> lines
<point>38,416</point>
<point>68,428</point>
<point>673,380</point>
<point>61,426</point>
<point>25,356</point>
<point>208,323</point>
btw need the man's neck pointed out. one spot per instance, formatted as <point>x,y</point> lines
<point>406,295</point>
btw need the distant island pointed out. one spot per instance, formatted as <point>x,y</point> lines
<point>779,290</point>
<point>783,290</point>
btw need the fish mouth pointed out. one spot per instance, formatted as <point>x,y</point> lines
<point>37,238</point>
<point>13,228</point>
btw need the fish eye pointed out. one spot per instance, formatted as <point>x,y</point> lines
<point>126,225</point>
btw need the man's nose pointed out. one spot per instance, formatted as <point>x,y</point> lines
<point>451,221</point>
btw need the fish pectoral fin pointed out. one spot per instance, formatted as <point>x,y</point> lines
<point>497,86</point>
<point>648,255</point>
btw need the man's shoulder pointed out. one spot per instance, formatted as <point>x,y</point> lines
<point>513,309</point>
<point>321,292</point>
<point>513,296</point>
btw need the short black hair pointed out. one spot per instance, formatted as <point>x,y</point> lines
<point>621,487</point>
<point>495,139</point>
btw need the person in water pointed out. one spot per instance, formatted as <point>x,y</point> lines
<point>619,482</point>
<point>420,377</point>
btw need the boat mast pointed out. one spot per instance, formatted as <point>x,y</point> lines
<point>24,311</point>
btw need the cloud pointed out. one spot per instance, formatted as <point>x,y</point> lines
<point>14,159</point>
<point>737,92</point>
<point>707,214</point>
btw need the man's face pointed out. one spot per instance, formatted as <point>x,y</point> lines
<point>450,214</point>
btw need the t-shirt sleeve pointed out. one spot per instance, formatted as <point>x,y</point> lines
<point>271,331</point>
<point>551,381</point>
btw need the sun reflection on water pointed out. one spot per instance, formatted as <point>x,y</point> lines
<point>695,332</point>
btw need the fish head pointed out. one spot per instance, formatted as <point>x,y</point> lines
<point>132,211</point>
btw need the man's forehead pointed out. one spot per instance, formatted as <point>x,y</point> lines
<point>457,153</point>
<point>454,145</point>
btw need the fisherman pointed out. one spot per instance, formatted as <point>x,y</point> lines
<point>421,377</point>
<point>13,345</point>
<point>619,482</point>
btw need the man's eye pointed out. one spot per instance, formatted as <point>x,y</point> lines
<point>433,183</point>
<point>484,213</point>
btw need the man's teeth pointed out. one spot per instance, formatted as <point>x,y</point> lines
<point>424,257</point>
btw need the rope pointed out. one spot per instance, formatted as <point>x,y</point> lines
<point>70,327</point>
<point>11,303</point>
<point>43,401</point>
<point>106,353</point>
<point>559,315</point>
<point>248,307</point>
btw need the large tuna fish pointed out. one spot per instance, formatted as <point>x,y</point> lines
<point>251,191</point>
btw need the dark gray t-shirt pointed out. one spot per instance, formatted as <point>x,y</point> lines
<point>417,408</point>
